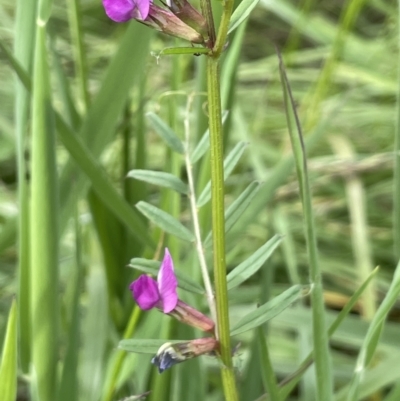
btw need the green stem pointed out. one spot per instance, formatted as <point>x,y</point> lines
<point>223,27</point>
<point>218,227</point>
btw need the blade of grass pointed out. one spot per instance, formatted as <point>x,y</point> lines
<point>8,365</point>
<point>118,360</point>
<point>44,221</point>
<point>320,335</point>
<point>23,48</point>
<point>356,200</point>
<point>101,184</point>
<point>267,370</point>
<point>98,126</point>
<point>396,178</point>
<point>68,388</point>
<point>370,342</point>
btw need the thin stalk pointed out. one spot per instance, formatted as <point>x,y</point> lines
<point>218,227</point>
<point>320,335</point>
<point>118,362</point>
<point>396,192</point>
<point>195,217</point>
<point>267,370</point>
<point>223,27</point>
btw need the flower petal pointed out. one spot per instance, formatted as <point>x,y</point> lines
<point>145,292</point>
<point>167,283</point>
<point>119,10</point>
<point>143,6</point>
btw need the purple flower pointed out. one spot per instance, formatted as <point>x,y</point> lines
<point>161,294</point>
<point>124,10</point>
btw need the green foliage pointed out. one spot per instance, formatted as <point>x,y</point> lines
<point>8,364</point>
<point>101,129</point>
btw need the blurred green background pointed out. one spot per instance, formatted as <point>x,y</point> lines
<point>342,63</point>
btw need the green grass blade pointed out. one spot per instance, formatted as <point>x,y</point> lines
<point>269,310</point>
<point>23,48</point>
<point>8,365</point>
<point>94,336</point>
<point>102,185</point>
<point>267,370</point>
<point>241,12</point>
<point>165,221</point>
<point>320,335</point>
<point>68,388</point>
<point>370,342</point>
<point>252,264</point>
<point>160,178</point>
<point>98,127</point>
<point>396,178</point>
<point>44,222</point>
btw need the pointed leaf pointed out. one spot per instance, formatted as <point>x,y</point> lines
<point>252,264</point>
<point>229,164</point>
<point>237,208</point>
<point>241,12</point>
<point>269,310</point>
<point>371,339</point>
<point>8,367</point>
<point>204,142</point>
<point>152,267</point>
<point>166,133</point>
<point>160,178</point>
<point>144,346</point>
<point>165,221</point>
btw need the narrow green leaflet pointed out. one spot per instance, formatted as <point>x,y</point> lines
<point>252,264</point>
<point>152,267</point>
<point>229,164</point>
<point>184,50</point>
<point>160,178</point>
<point>241,12</point>
<point>237,208</point>
<point>144,346</point>
<point>165,221</point>
<point>8,367</point>
<point>204,143</point>
<point>370,342</point>
<point>166,133</point>
<point>269,310</point>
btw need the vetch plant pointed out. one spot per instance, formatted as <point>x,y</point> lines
<point>68,355</point>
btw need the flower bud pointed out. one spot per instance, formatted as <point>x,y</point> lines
<point>189,15</point>
<point>170,354</point>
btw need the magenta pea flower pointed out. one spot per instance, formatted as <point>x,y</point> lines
<point>149,293</point>
<point>162,294</point>
<point>124,10</point>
